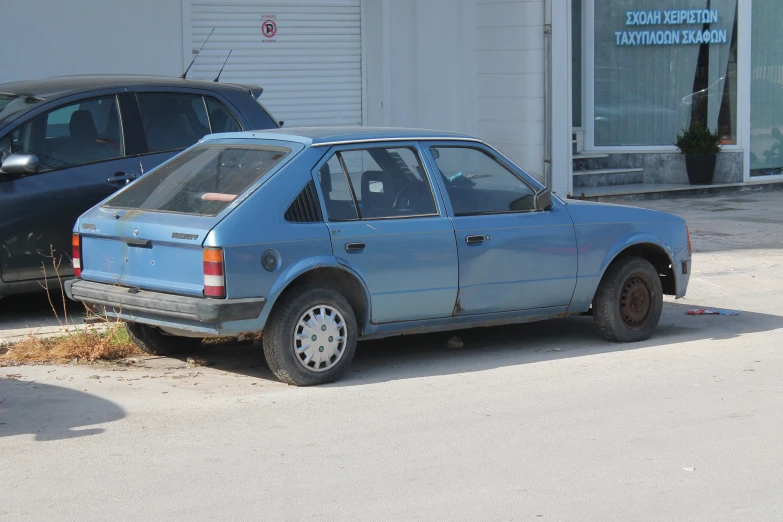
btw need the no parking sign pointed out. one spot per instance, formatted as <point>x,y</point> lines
<point>269,26</point>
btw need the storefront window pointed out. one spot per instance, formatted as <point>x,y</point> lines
<point>659,65</point>
<point>766,89</point>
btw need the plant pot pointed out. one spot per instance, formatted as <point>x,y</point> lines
<point>700,168</point>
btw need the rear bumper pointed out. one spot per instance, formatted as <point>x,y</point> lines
<point>124,301</point>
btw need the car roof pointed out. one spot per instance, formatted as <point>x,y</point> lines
<point>322,136</point>
<point>59,86</point>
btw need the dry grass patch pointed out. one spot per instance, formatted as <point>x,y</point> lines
<point>88,344</point>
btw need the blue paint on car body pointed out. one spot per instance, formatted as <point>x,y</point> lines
<point>413,273</point>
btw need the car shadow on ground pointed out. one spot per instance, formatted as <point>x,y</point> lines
<point>37,310</point>
<point>416,356</point>
<point>51,412</point>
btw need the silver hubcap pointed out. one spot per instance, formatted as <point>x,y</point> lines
<point>319,338</point>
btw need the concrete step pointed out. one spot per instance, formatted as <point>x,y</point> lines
<point>650,191</point>
<point>607,177</point>
<point>588,155</point>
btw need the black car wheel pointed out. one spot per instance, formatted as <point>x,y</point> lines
<point>310,337</point>
<point>153,341</point>
<point>629,301</point>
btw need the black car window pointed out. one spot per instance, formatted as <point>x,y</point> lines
<point>74,134</point>
<point>198,104</point>
<point>222,119</point>
<point>336,191</point>
<point>388,182</point>
<point>172,121</point>
<point>479,184</point>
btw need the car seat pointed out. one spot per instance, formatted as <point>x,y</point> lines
<point>82,145</point>
<point>377,204</point>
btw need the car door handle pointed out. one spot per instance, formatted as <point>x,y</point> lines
<point>475,239</point>
<point>354,247</point>
<point>145,243</point>
<point>121,177</point>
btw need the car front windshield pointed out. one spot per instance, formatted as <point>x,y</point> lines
<point>13,103</point>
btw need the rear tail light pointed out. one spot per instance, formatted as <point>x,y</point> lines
<point>214,275</point>
<point>76,255</point>
<point>690,246</point>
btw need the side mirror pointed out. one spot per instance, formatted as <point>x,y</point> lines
<point>21,163</point>
<point>543,199</point>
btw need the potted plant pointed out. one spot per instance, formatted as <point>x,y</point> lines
<point>701,147</point>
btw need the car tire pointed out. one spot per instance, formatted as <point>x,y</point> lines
<point>293,346</point>
<point>629,301</point>
<point>153,341</point>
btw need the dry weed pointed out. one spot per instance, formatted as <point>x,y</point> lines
<point>87,344</point>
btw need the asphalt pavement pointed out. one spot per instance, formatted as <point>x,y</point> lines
<point>543,421</point>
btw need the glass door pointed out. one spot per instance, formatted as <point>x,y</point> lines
<point>576,74</point>
<point>766,89</point>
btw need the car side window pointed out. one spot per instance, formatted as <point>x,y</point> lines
<point>388,182</point>
<point>222,119</point>
<point>172,121</point>
<point>478,184</point>
<point>83,132</point>
<point>336,191</point>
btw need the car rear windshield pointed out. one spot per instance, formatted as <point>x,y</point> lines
<point>202,181</point>
<point>12,103</point>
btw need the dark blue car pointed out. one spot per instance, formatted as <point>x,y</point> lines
<point>321,237</point>
<point>68,143</point>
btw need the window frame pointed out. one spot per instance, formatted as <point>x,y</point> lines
<point>61,104</point>
<point>225,106</point>
<point>492,154</point>
<point>438,210</point>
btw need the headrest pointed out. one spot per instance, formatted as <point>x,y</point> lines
<point>82,125</point>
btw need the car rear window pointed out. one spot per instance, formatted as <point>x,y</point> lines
<point>202,181</point>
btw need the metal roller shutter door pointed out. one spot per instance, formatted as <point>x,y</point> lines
<point>310,69</point>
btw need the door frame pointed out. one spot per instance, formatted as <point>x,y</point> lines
<point>440,213</point>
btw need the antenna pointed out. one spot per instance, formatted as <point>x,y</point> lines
<point>197,53</point>
<point>224,65</point>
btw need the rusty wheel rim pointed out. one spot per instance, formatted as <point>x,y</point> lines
<point>636,300</point>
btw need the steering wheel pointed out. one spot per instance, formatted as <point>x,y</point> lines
<point>402,196</point>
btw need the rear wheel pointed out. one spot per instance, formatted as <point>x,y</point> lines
<point>153,341</point>
<point>310,337</point>
<point>629,301</point>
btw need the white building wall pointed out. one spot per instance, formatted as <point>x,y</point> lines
<point>510,77</point>
<point>472,66</point>
<point>44,38</point>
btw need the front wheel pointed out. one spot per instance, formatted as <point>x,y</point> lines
<point>153,341</point>
<point>629,301</point>
<point>310,337</point>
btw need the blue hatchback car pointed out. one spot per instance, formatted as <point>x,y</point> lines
<point>322,237</point>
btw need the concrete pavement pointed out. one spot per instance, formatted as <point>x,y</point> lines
<point>533,422</point>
